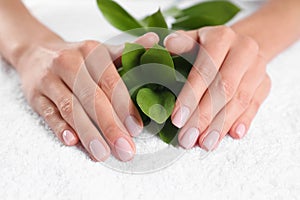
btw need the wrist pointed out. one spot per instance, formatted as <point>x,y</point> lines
<point>21,50</point>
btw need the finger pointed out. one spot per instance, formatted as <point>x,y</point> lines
<point>72,112</point>
<point>234,71</point>
<point>210,57</point>
<point>71,68</point>
<point>224,120</point>
<point>201,117</point>
<point>242,124</point>
<point>47,110</point>
<point>105,74</point>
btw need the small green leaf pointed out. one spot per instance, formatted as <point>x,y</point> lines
<point>157,54</point>
<point>155,20</point>
<point>117,16</point>
<point>172,11</point>
<point>131,56</point>
<point>157,105</point>
<point>205,14</point>
<point>169,132</point>
<point>182,65</point>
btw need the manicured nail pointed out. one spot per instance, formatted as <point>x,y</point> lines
<point>181,116</point>
<point>240,130</point>
<point>172,35</point>
<point>123,149</point>
<point>211,140</point>
<point>98,150</point>
<point>132,126</point>
<point>189,138</point>
<point>68,137</point>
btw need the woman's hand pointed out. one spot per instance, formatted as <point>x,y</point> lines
<point>72,85</point>
<point>225,88</point>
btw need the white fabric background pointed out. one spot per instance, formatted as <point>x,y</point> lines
<point>35,165</point>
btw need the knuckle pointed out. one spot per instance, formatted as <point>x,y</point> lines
<point>224,32</point>
<point>226,87</point>
<point>49,113</point>
<point>66,107</point>
<point>67,59</point>
<point>89,45</point>
<point>62,57</point>
<point>109,82</point>
<point>250,44</point>
<point>244,99</point>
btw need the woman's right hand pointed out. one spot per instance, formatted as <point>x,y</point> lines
<point>76,88</point>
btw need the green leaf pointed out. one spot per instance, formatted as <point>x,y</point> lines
<point>169,132</point>
<point>172,11</point>
<point>155,20</point>
<point>157,54</point>
<point>205,14</point>
<point>131,56</point>
<point>117,16</point>
<point>157,105</point>
<point>182,65</point>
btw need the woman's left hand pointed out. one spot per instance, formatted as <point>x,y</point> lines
<point>225,87</point>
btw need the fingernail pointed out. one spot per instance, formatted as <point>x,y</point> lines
<point>241,130</point>
<point>132,126</point>
<point>181,116</point>
<point>98,150</point>
<point>172,35</point>
<point>68,137</point>
<point>123,149</point>
<point>211,140</point>
<point>189,138</point>
<point>152,37</point>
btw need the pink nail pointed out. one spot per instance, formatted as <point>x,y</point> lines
<point>211,140</point>
<point>189,138</point>
<point>132,126</point>
<point>68,137</point>
<point>98,150</point>
<point>123,149</point>
<point>181,116</point>
<point>172,35</point>
<point>241,130</point>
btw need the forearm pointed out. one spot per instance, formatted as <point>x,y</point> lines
<point>275,26</point>
<point>19,31</point>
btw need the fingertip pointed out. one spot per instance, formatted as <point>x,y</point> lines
<point>148,39</point>
<point>125,151</point>
<point>152,37</point>
<point>170,42</point>
<point>133,126</point>
<point>239,131</point>
<point>69,138</point>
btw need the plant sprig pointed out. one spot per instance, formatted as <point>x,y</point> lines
<point>156,101</point>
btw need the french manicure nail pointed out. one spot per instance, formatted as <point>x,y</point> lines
<point>240,130</point>
<point>211,140</point>
<point>172,35</point>
<point>123,149</point>
<point>68,137</point>
<point>189,138</point>
<point>98,150</point>
<point>132,126</point>
<point>181,116</point>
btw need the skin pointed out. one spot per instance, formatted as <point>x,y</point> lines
<point>59,78</point>
<point>228,81</point>
<point>70,83</point>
